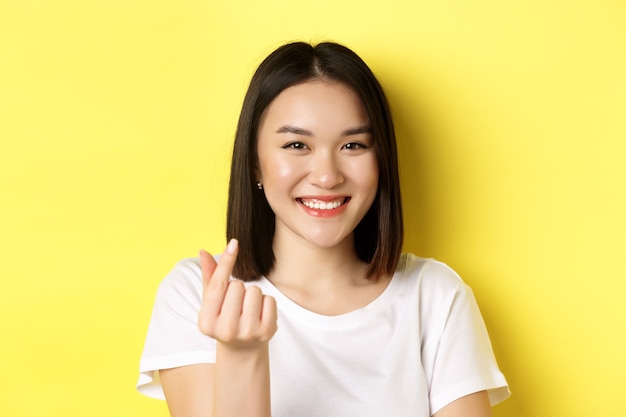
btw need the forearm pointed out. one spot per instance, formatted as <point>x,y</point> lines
<point>242,382</point>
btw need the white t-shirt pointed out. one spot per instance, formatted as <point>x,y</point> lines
<point>417,347</point>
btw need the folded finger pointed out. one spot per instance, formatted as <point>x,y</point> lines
<point>233,301</point>
<point>269,316</point>
<point>252,305</point>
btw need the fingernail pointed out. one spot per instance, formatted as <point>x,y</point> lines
<point>232,246</point>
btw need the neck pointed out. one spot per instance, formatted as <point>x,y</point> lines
<point>328,281</point>
<point>301,264</point>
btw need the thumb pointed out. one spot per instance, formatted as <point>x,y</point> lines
<point>207,264</point>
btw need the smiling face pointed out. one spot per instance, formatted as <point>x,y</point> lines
<point>317,163</point>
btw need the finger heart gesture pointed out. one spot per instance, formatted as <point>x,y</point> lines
<point>231,313</point>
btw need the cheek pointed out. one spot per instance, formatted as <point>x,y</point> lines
<point>284,170</point>
<point>277,170</point>
<point>366,172</point>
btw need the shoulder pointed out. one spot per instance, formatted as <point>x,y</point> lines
<point>184,281</point>
<point>428,273</point>
<point>435,286</point>
<point>185,272</point>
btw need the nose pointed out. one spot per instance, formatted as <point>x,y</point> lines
<point>325,170</point>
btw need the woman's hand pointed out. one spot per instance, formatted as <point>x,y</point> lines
<point>242,321</point>
<point>240,318</point>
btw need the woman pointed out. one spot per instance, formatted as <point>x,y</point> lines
<point>312,310</point>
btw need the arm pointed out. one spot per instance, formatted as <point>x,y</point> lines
<point>473,405</point>
<point>242,321</point>
<point>190,390</point>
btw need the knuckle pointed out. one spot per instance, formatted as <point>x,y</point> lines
<point>206,326</point>
<point>269,330</point>
<point>248,333</point>
<point>254,290</point>
<point>236,285</point>
<point>217,285</point>
<point>227,333</point>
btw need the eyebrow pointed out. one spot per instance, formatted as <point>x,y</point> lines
<point>303,132</point>
<point>357,131</point>
<point>295,131</point>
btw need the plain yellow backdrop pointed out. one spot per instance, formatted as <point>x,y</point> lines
<point>116,122</point>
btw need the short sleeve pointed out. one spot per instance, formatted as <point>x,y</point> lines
<point>173,337</point>
<point>457,352</point>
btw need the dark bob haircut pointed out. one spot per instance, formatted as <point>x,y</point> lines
<point>378,237</point>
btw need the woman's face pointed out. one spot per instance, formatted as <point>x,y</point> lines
<point>317,163</point>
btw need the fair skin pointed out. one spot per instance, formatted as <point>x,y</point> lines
<point>317,164</point>
<point>319,171</point>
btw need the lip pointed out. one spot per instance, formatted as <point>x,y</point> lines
<point>324,213</point>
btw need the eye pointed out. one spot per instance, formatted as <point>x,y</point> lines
<point>295,145</point>
<point>353,146</point>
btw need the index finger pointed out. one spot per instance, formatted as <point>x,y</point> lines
<point>224,268</point>
<point>215,279</point>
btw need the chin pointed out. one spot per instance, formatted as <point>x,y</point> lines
<point>327,242</point>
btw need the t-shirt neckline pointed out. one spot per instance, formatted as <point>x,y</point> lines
<point>294,310</point>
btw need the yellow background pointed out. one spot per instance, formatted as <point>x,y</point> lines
<point>116,121</point>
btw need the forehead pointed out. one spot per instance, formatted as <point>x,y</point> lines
<point>316,102</point>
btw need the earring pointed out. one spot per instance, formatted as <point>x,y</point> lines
<point>259,185</point>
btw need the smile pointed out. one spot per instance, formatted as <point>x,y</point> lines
<point>316,204</point>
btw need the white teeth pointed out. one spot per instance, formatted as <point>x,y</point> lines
<point>321,205</point>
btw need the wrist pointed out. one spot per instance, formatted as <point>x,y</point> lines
<point>242,356</point>
<point>240,370</point>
